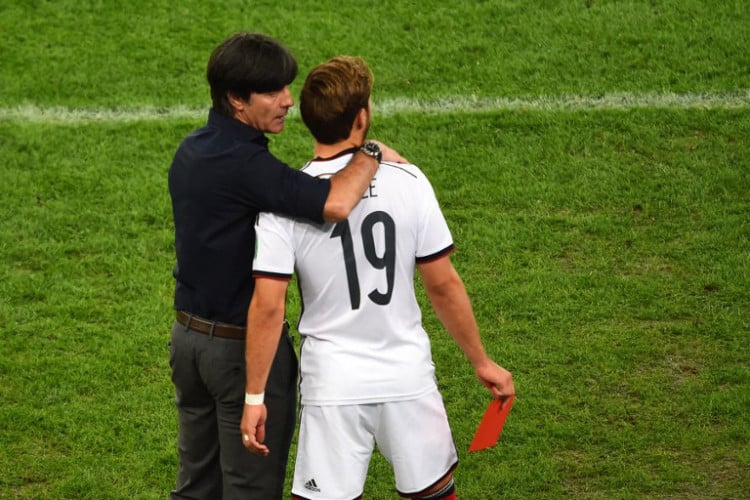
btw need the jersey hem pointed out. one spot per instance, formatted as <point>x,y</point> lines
<point>370,400</point>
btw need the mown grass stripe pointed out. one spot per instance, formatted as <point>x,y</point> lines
<point>459,104</point>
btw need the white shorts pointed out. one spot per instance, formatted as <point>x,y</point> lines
<point>336,443</point>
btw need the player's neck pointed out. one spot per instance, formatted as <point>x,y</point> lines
<point>330,150</point>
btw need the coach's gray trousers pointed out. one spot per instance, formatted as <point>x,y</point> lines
<point>209,378</point>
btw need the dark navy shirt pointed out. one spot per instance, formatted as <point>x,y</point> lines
<point>221,177</point>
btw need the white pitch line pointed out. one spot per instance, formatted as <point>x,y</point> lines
<point>616,101</point>
<point>402,105</point>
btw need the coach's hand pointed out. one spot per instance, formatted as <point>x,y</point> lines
<point>253,429</point>
<point>390,154</point>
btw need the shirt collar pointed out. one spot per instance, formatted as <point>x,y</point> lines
<point>347,151</point>
<point>239,130</point>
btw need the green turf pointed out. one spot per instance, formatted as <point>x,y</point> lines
<point>607,252</point>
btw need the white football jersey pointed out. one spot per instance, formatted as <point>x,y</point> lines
<point>361,327</point>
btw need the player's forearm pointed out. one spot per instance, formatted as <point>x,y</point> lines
<point>348,186</point>
<point>264,327</point>
<point>453,308</point>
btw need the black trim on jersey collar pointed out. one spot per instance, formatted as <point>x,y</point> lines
<point>347,151</point>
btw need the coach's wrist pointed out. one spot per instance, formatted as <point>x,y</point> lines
<point>254,399</point>
<point>372,149</point>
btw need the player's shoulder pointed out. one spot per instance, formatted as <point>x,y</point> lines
<point>402,171</point>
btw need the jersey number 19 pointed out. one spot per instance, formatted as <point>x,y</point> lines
<point>387,261</point>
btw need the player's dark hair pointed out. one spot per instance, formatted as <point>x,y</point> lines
<point>332,95</point>
<point>245,63</point>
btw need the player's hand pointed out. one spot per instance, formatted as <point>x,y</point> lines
<point>390,154</point>
<point>497,379</point>
<point>253,429</point>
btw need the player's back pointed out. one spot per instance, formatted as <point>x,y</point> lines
<point>360,323</point>
<point>356,280</point>
<point>362,268</point>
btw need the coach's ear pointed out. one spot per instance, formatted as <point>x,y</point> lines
<point>237,103</point>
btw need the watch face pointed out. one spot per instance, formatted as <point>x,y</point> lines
<point>372,149</point>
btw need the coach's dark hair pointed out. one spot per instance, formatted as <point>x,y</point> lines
<point>245,63</point>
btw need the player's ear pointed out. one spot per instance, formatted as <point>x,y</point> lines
<point>362,120</point>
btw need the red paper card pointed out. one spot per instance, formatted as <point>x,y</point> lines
<point>491,425</point>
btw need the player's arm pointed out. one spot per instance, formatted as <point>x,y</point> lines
<point>264,324</point>
<point>452,306</point>
<point>350,183</point>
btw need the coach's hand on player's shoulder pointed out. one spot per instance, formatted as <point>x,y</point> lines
<point>253,429</point>
<point>390,154</point>
<point>496,378</point>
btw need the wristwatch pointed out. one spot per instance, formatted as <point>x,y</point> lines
<point>371,148</point>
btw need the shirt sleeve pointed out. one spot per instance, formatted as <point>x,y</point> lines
<point>434,239</point>
<point>274,248</point>
<point>274,186</point>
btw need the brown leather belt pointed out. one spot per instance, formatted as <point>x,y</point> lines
<point>198,324</point>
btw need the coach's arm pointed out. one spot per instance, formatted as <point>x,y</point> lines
<point>349,184</point>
